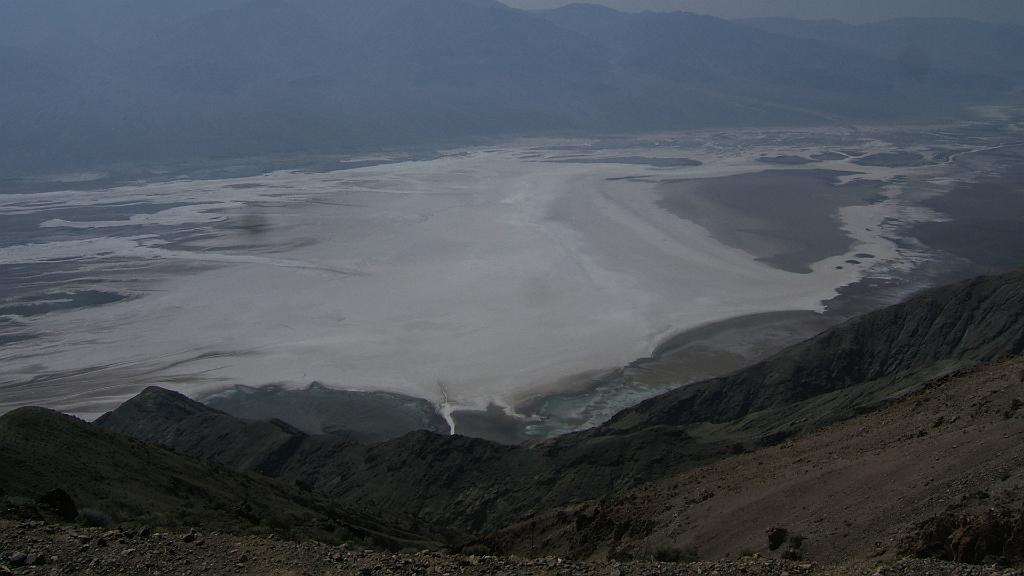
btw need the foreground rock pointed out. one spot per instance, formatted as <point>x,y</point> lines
<point>67,549</point>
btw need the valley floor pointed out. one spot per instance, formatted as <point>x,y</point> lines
<point>62,549</point>
<point>503,273</point>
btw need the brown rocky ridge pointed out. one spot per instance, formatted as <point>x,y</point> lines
<point>895,435</point>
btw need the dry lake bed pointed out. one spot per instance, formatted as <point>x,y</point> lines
<point>517,276</point>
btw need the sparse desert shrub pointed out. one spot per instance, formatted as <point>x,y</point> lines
<point>18,501</point>
<point>332,537</point>
<point>18,507</point>
<point>992,537</point>
<point>793,552</point>
<point>476,550</point>
<point>59,502</point>
<point>621,555</point>
<point>167,521</point>
<point>675,554</point>
<point>777,537</point>
<point>93,517</point>
<point>278,522</point>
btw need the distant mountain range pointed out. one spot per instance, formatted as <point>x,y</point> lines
<point>1003,11</point>
<point>949,43</point>
<point>109,81</point>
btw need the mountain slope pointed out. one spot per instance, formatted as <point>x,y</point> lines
<point>131,481</point>
<point>919,44</point>
<point>812,74</point>
<point>266,76</point>
<point>169,553</point>
<point>475,487</point>
<point>466,484</point>
<point>937,474</point>
<point>147,81</point>
<point>869,359</point>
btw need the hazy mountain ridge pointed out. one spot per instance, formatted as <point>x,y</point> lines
<point>680,44</point>
<point>147,81</point>
<point>950,43</point>
<point>361,416</point>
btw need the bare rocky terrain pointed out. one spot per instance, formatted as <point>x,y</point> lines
<point>887,445</point>
<point>472,487</point>
<point>39,548</point>
<point>939,473</point>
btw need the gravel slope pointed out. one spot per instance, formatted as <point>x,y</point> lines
<point>62,549</point>
<point>940,473</point>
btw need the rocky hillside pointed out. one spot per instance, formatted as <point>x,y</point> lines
<point>34,547</point>
<point>474,487</point>
<point>468,485</point>
<point>59,467</point>
<point>860,364</point>
<point>939,473</point>
<point>894,435</point>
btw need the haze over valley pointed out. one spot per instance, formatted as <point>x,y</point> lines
<point>529,219</point>
<point>519,287</point>
<point>127,82</point>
